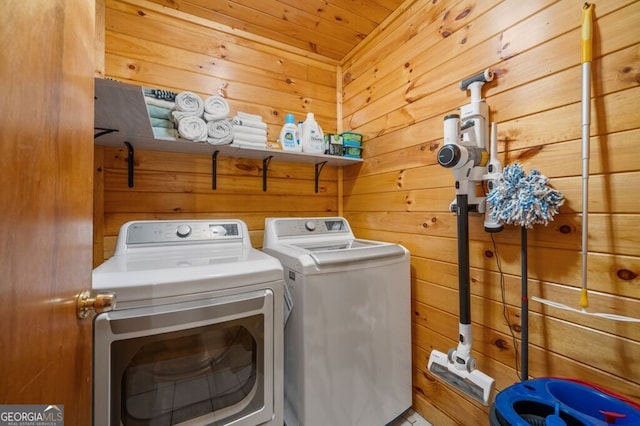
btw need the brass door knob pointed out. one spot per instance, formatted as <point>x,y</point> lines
<point>101,302</point>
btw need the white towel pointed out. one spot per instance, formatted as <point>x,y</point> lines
<point>252,145</point>
<point>246,130</point>
<point>249,123</point>
<point>249,117</point>
<point>193,128</point>
<point>220,132</point>
<point>188,104</point>
<point>252,139</point>
<point>215,108</point>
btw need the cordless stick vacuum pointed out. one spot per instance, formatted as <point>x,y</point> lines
<point>465,152</point>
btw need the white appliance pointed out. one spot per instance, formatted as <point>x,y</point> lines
<point>348,337</point>
<point>196,337</point>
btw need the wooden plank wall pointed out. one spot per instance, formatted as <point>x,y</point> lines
<point>397,89</point>
<point>154,46</point>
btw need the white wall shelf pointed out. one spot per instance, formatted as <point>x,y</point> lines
<point>121,118</point>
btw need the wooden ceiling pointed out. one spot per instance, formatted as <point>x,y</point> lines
<point>329,28</point>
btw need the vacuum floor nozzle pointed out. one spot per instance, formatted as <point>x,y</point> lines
<point>475,384</point>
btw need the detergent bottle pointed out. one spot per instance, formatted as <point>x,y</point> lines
<point>312,136</point>
<point>289,138</point>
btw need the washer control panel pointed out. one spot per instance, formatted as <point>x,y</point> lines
<point>314,226</point>
<point>181,232</point>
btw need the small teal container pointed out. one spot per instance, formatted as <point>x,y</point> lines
<point>352,138</point>
<point>351,149</point>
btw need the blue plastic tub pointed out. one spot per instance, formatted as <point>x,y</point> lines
<point>532,401</point>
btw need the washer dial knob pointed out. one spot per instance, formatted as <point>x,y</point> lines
<point>183,231</point>
<point>310,225</point>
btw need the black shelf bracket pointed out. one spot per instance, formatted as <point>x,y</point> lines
<point>265,170</point>
<point>101,132</point>
<point>214,169</point>
<point>130,163</point>
<point>319,167</point>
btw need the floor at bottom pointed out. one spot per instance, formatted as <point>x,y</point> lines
<point>410,418</point>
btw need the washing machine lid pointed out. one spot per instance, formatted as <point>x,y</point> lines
<point>333,253</point>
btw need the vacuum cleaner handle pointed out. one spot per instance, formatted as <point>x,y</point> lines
<point>483,77</point>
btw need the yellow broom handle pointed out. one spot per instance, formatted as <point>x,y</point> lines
<point>587,32</point>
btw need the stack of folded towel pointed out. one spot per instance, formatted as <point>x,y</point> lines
<point>160,103</point>
<point>216,114</point>
<point>201,121</point>
<point>187,116</point>
<point>249,131</point>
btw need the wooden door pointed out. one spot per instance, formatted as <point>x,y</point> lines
<point>46,184</point>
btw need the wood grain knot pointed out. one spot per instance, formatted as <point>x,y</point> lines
<point>516,328</point>
<point>434,219</point>
<point>627,275</point>
<point>565,229</point>
<point>433,146</point>
<point>488,253</point>
<point>245,167</point>
<point>463,14</point>
<point>530,152</point>
<point>501,344</point>
<point>446,33</point>
<point>141,13</point>
<point>425,225</point>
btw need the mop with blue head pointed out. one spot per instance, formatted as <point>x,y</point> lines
<point>523,200</point>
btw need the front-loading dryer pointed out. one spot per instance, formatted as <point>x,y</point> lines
<point>197,334</point>
<point>348,336</point>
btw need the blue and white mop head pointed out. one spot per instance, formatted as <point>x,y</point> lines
<point>523,200</point>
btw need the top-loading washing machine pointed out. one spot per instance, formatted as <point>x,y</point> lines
<point>196,336</point>
<point>348,336</point>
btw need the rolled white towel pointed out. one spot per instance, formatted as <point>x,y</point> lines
<point>220,132</point>
<point>215,108</point>
<point>188,104</point>
<point>193,128</point>
<point>249,123</point>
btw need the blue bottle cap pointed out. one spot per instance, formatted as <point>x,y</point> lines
<point>290,119</point>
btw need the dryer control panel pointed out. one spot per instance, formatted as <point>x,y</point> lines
<point>158,233</point>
